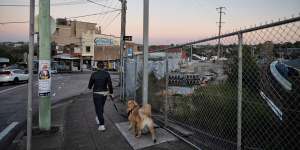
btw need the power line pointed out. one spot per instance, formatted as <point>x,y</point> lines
<point>103,16</point>
<point>14,5</point>
<point>13,22</point>
<point>106,17</point>
<point>54,4</point>
<point>88,15</point>
<point>114,18</point>
<point>101,4</point>
<point>68,3</point>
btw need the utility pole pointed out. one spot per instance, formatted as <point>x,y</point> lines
<point>122,46</point>
<point>220,11</point>
<point>44,66</point>
<point>146,47</point>
<point>29,60</point>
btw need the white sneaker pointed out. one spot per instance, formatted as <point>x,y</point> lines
<point>101,128</point>
<point>97,120</point>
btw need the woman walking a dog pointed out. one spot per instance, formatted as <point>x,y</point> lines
<point>100,81</point>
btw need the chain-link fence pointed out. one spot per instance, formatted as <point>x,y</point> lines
<point>245,98</point>
<point>271,65</point>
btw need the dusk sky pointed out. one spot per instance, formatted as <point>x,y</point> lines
<point>171,21</point>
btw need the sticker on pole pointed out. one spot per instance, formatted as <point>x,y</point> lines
<point>129,52</point>
<point>44,78</point>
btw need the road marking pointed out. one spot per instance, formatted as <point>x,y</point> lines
<point>6,90</point>
<point>7,130</point>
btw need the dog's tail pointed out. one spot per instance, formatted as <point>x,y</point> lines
<point>147,110</point>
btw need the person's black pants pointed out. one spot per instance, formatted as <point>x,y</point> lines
<point>99,101</point>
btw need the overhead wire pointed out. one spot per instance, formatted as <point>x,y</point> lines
<point>106,17</point>
<point>53,4</point>
<point>114,18</point>
<point>101,13</point>
<point>111,18</point>
<point>13,22</point>
<point>101,16</point>
<point>88,15</point>
<point>13,5</point>
<point>101,4</point>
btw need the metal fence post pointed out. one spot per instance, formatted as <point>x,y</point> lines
<point>30,57</point>
<point>121,76</point>
<point>146,46</point>
<point>124,78</point>
<point>240,88</point>
<point>135,75</point>
<point>191,53</point>
<point>166,95</point>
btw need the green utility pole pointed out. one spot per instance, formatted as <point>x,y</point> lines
<point>44,66</point>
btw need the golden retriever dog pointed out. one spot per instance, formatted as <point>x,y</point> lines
<point>140,118</point>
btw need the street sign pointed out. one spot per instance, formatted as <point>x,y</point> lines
<point>127,38</point>
<point>103,42</point>
<point>129,52</point>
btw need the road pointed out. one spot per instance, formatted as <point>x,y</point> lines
<point>13,98</point>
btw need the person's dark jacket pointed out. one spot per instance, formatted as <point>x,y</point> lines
<point>100,80</point>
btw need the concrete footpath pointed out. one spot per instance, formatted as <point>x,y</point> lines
<point>75,120</point>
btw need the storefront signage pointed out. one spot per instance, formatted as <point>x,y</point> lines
<point>104,42</point>
<point>77,50</point>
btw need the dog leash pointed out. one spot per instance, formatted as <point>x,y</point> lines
<point>106,93</point>
<point>112,99</point>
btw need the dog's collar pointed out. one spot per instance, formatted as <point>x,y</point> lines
<point>130,111</point>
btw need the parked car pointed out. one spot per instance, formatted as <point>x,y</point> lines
<point>53,71</point>
<point>13,75</point>
<point>18,65</point>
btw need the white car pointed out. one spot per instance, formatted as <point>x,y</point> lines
<point>53,71</point>
<point>13,75</point>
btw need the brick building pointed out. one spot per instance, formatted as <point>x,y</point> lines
<point>67,39</point>
<point>85,45</point>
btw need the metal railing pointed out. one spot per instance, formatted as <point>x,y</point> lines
<point>231,102</point>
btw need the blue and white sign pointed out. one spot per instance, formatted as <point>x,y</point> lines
<point>129,52</point>
<point>104,42</point>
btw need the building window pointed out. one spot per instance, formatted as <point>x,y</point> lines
<point>57,31</point>
<point>88,49</point>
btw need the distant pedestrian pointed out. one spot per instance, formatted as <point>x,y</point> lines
<point>101,82</point>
